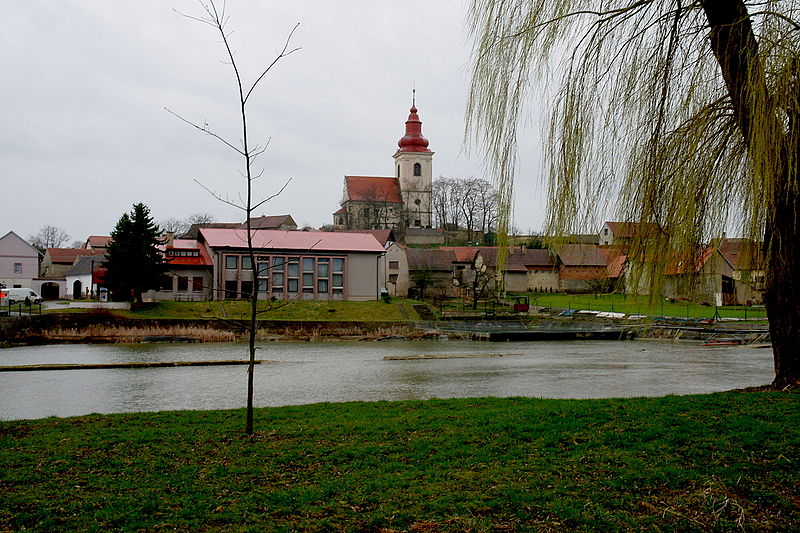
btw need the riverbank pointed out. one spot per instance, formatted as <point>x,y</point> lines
<point>107,327</point>
<point>721,462</point>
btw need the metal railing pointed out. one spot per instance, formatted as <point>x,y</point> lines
<point>19,308</point>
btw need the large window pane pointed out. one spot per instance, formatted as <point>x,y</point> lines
<point>277,263</point>
<point>197,284</point>
<point>293,285</point>
<point>322,285</point>
<point>231,262</point>
<point>246,263</point>
<point>308,279</point>
<point>338,280</point>
<point>308,264</point>
<point>263,268</point>
<point>322,269</point>
<point>338,265</point>
<point>230,289</point>
<point>277,279</point>
<point>293,267</point>
<point>247,289</point>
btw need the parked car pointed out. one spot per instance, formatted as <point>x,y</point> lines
<point>16,295</point>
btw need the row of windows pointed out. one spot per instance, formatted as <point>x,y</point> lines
<point>183,284</point>
<point>281,275</point>
<point>183,253</point>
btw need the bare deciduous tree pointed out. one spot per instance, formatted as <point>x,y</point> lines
<point>179,226</point>
<point>48,237</point>
<point>464,203</point>
<point>249,152</point>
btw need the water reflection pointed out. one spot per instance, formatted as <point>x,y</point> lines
<point>303,373</point>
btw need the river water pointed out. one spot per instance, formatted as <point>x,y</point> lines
<point>301,373</point>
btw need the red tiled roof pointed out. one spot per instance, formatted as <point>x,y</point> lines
<point>741,253</point>
<point>191,233</point>
<point>373,189</point>
<point>464,254</point>
<point>689,265</point>
<point>616,256</point>
<point>528,258</point>
<point>67,255</point>
<point>310,241</point>
<point>435,259</point>
<point>517,259</point>
<point>340,211</point>
<point>98,241</point>
<point>203,259</point>
<point>271,222</point>
<point>583,255</point>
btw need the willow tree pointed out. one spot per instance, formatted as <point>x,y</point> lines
<point>681,114</point>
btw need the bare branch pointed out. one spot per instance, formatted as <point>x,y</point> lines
<point>204,129</point>
<point>220,197</point>
<point>268,198</point>
<point>280,56</point>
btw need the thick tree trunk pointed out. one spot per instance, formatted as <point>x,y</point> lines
<point>736,49</point>
<point>782,297</point>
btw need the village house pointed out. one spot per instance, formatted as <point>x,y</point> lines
<point>56,261</point>
<point>19,262</point>
<point>188,275</point>
<point>403,200</point>
<point>746,259</point>
<point>396,276</point>
<point>85,277</point>
<point>616,263</point>
<point>98,244</point>
<point>430,272</point>
<point>580,266</point>
<point>54,267</point>
<point>626,233</point>
<point>280,222</point>
<point>304,265</point>
<point>524,270</point>
<point>706,278</point>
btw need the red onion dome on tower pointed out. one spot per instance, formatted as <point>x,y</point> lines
<point>413,141</point>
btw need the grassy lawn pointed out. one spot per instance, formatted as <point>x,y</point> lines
<point>641,305</point>
<point>397,309</point>
<point>722,462</point>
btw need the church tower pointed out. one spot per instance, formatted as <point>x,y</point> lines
<point>413,163</point>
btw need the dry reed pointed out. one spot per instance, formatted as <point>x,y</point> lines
<point>135,334</point>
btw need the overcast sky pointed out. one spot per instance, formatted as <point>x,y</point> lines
<point>85,134</point>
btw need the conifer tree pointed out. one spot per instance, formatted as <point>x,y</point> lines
<point>134,263</point>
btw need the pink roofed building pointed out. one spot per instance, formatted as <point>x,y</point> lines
<point>303,265</point>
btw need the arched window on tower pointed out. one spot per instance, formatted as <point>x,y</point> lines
<point>398,171</point>
<point>417,169</point>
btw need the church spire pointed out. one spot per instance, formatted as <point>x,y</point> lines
<point>413,141</point>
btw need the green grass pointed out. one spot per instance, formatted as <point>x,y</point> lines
<point>721,462</point>
<point>397,310</point>
<point>641,305</point>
